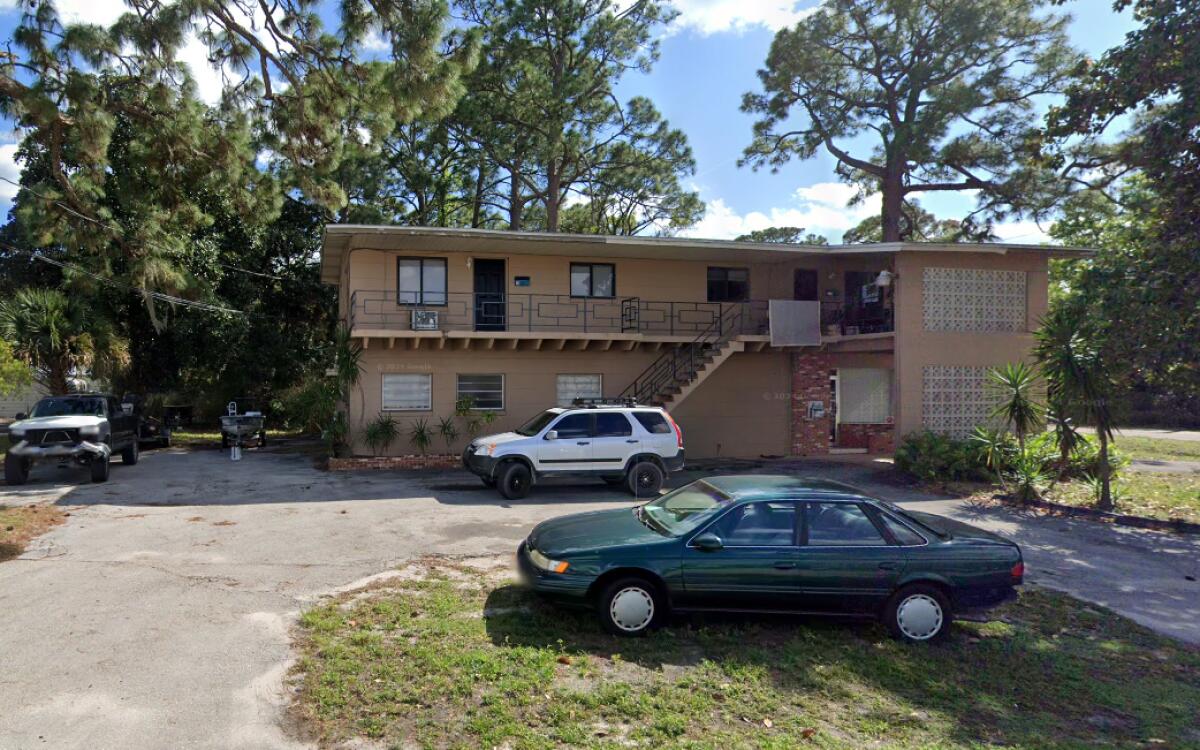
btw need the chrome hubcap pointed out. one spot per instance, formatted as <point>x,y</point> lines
<point>632,609</point>
<point>919,617</point>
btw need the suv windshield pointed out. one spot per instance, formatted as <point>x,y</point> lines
<point>537,424</point>
<point>684,509</point>
<point>69,407</point>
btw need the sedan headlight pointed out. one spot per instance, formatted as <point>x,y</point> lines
<point>544,563</point>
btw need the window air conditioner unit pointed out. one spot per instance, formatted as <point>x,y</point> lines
<point>424,320</point>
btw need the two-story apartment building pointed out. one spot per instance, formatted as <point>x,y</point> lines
<point>755,349</point>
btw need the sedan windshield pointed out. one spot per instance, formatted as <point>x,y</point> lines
<point>537,424</point>
<point>686,508</point>
<point>69,407</point>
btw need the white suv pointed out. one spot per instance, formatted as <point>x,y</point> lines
<point>627,444</point>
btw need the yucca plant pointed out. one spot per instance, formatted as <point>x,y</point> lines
<point>449,431</point>
<point>1029,474</point>
<point>421,435</point>
<point>995,449</point>
<point>1014,384</point>
<point>381,432</point>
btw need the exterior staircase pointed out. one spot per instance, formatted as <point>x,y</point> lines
<point>678,372</point>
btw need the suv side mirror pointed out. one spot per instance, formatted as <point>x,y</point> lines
<point>552,435</point>
<point>708,542</point>
<point>22,415</point>
<point>127,408</point>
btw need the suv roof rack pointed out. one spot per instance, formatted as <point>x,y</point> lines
<point>598,403</point>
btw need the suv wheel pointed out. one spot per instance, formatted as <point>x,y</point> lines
<point>645,479</point>
<point>919,613</point>
<point>515,481</point>
<point>16,469</point>
<point>630,607</point>
<point>100,469</point>
<point>130,455</point>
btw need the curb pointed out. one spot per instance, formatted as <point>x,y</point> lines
<point>1119,519</point>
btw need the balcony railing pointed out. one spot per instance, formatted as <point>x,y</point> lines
<point>550,313</point>
<point>560,313</point>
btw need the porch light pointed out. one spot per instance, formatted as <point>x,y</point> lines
<point>884,279</point>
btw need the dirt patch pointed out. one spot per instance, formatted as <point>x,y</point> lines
<point>20,525</point>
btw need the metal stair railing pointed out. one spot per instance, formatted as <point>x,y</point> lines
<point>679,365</point>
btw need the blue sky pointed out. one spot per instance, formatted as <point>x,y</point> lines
<point>709,59</point>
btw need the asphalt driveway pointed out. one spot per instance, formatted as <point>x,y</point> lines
<point>158,615</point>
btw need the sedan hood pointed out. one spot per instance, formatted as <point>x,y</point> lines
<point>958,529</point>
<point>71,422</point>
<point>591,531</point>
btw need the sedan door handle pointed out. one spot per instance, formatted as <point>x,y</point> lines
<point>781,565</point>
<point>887,566</point>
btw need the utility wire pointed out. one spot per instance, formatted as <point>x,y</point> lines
<point>115,228</point>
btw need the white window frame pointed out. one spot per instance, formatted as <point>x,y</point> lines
<point>557,393</point>
<point>458,394</point>
<point>383,391</point>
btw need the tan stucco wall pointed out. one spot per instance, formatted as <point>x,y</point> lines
<point>917,348</point>
<point>741,410</point>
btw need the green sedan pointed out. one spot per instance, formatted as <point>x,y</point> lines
<point>758,543</point>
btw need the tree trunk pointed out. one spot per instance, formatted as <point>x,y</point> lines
<point>477,203</point>
<point>893,204</point>
<point>553,183</point>
<point>56,379</point>
<point>1106,502</point>
<point>514,197</point>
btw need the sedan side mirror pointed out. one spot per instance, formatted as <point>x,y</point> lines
<point>708,542</point>
<point>22,415</point>
<point>552,435</point>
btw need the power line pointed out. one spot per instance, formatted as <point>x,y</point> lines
<point>160,296</point>
<point>115,228</point>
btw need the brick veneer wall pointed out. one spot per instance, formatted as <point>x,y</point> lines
<point>810,382</point>
<point>430,461</point>
<point>876,438</point>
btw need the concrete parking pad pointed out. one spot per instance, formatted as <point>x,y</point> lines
<point>158,615</point>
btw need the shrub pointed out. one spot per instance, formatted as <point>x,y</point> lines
<point>934,457</point>
<point>381,432</point>
<point>421,435</point>
<point>448,430</point>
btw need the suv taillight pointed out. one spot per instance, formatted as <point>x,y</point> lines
<point>678,432</point>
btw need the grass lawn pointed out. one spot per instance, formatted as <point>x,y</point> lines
<point>19,524</point>
<point>449,656</point>
<point>1157,448</point>
<point>1142,494</point>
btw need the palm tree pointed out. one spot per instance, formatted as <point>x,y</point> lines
<point>1077,378</point>
<point>60,337</point>
<point>1018,406</point>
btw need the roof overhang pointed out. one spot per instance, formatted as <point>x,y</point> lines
<point>342,238</point>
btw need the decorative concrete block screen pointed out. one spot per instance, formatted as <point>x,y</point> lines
<point>956,400</point>
<point>974,299</point>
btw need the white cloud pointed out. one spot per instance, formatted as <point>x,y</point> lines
<point>10,169</point>
<point>1022,232</point>
<point>716,16</point>
<point>101,12</point>
<point>821,208</point>
<point>194,54</point>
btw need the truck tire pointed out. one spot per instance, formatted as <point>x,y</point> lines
<point>644,479</point>
<point>99,469</point>
<point>130,454</point>
<point>515,481</point>
<point>16,469</point>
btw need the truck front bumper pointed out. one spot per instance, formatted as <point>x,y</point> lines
<point>83,450</point>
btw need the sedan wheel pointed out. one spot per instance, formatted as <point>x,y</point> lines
<point>919,614</point>
<point>629,607</point>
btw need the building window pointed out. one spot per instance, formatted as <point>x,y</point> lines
<point>593,280</point>
<point>728,284</point>
<point>864,395</point>
<point>409,391</point>
<point>484,391</point>
<point>421,281</point>
<point>571,387</point>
